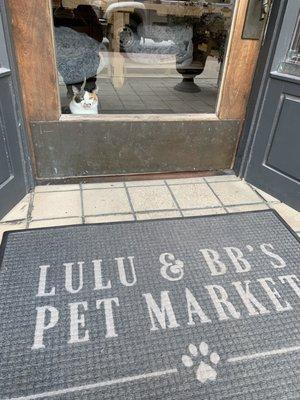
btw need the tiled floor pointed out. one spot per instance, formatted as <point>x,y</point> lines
<point>56,205</point>
<point>153,91</point>
<point>154,96</point>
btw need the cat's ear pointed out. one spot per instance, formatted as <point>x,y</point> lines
<point>75,90</point>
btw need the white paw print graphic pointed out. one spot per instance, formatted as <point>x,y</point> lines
<point>204,371</point>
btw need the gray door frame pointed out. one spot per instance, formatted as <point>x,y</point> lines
<point>10,195</point>
<point>260,82</point>
<point>279,32</point>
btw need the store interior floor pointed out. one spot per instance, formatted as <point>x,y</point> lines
<point>150,89</point>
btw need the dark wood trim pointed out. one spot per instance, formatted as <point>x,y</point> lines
<point>239,68</point>
<point>35,49</point>
<point>32,33</point>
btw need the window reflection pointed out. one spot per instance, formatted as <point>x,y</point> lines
<point>151,56</point>
<point>291,64</point>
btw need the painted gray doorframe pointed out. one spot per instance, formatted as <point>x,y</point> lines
<point>15,172</point>
<point>271,150</point>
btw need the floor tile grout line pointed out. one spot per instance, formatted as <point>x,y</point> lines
<point>76,190</point>
<point>175,184</point>
<point>227,206</point>
<point>223,205</point>
<point>142,185</point>
<point>183,209</point>
<point>266,201</point>
<point>258,194</point>
<point>151,211</point>
<point>254,191</point>
<point>120,187</point>
<point>141,99</point>
<point>162,98</point>
<point>78,216</point>
<point>101,188</point>
<point>30,209</point>
<point>56,218</point>
<point>56,191</point>
<point>220,181</point>
<point>174,198</point>
<point>14,221</point>
<point>113,214</point>
<point>246,204</point>
<point>81,204</point>
<point>130,202</point>
<point>208,83</point>
<point>210,209</point>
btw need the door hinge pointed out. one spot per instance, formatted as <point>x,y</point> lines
<point>266,6</point>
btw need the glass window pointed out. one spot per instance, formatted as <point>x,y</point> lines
<point>291,64</point>
<point>147,56</point>
<point>4,65</point>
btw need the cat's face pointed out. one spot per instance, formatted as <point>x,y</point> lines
<point>87,100</point>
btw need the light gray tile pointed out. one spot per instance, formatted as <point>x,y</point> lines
<point>194,196</point>
<point>291,216</point>
<point>55,222</point>
<point>151,198</point>
<point>109,218</point>
<point>179,106</point>
<point>104,185</point>
<point>56,205</point>
<point>205,211</point>
<point>199,106</point>
<point>105,201</point>
<point>183,181</point>
<point>56,188</point>
<point>137,106</point>
<point>8,226</point>
<point>166,97</point>
<point>235,193</point>
<point>149,182</point>
<point>248,207</point>
<point>20,210</point>
<point>150,98</point>
<point>112,106</point>
<point>157,215</point>
<point>218,178</point>
<point>267,197</point>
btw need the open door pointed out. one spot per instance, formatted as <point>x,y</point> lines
<point>273,157</point>
<point>13,172</point>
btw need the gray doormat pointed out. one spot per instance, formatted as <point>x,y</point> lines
<point>195,308</point>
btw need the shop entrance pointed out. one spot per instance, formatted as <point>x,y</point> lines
<point>140,87</point>
<point>13,178</point>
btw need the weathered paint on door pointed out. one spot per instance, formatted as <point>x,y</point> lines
<point>274,163</point>
<point>13,179</point>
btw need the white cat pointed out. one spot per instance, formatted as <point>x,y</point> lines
<point>84,102</point>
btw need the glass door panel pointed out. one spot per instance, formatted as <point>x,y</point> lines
<point>148,56</point>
